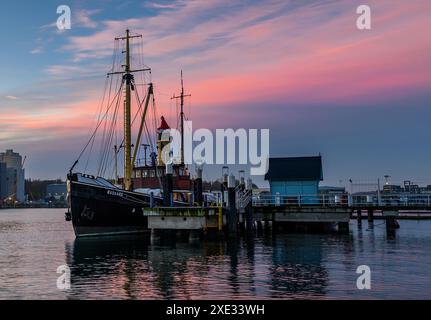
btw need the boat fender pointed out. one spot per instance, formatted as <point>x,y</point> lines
<point>68,216</point>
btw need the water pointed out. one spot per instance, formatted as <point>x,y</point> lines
<point>33,243</point>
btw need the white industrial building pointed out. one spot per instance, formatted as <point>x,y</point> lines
<point>12,176</point>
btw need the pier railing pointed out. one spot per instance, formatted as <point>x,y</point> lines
<point>300,200</point>
<point>345,200</point>
<point>392,200</point>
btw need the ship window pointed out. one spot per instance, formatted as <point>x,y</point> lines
<point>145,173</point>
<point>138,174</point>
<point>152,174</point>
<point>160,173</point>
<point>134,174</point>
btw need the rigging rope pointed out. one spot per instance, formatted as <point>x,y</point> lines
<point>108,119</point>
<point>97,127</point>
<point>115,53</point>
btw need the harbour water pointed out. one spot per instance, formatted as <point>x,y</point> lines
<point>35,242</point>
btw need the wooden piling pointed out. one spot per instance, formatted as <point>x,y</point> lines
<point>220,219</point>
<point>370,215</point>
<point>391,226</point>
<point>359,216</point>
<point>343,227</point>
<point>197,184</point>
<point>249,208</point>
<point>232,218</point>
<point>156,235</point>
<point>266,226</point>
<point>249,218</point>
<point>195,235</point>
<point>259,226</point>
<point>168,186</point>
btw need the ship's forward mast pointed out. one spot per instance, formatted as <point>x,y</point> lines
<point>116,103</point>
<point>129,81</point>
<point>98,205</point>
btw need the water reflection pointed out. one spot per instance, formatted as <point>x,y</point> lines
<point>297,267</point>
<point>36,242</point>
<point>273,266</point>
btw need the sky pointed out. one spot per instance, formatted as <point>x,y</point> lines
<point>360,98</point>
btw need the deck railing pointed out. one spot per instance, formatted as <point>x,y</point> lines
<point>344,200</point>
<point>243,199</point>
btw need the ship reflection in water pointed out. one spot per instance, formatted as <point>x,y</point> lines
<point>35,242</point>
<point>241,269</point>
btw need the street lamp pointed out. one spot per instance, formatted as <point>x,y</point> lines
<point>241,177</point>
<point>146,146</point>
<point>225,173</point>
<point>387,179</point>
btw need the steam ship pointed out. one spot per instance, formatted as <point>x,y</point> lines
<point>99,206</point>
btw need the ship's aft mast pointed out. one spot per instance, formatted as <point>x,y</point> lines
<point>128,79</point>
<point>181,97</point>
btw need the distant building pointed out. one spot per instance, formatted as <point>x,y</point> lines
<point>56,191</point>
<point>15,175</point>
<point>3,182</point>
<point>392,188</point>
<point>411,187</point>
<point>295,176</point>
<point>328,190</point>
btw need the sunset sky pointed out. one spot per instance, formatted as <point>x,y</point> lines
<point>300,68</point>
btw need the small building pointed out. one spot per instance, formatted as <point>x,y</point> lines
<point>295,176</point>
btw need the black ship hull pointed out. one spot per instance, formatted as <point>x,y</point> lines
<point>100,209</point>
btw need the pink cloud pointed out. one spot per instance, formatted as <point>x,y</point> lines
<point>334,62</point>
<point>259,54</point>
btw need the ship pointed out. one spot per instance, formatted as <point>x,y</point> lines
<point>102,206</point>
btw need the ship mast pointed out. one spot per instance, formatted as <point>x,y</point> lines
<point>128,79</point>
<point>181,97</point>
<point>127,120</point>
